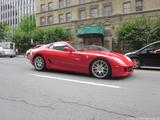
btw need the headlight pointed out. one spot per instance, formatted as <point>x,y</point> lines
<point>128,59</point>
<point>119,61</point>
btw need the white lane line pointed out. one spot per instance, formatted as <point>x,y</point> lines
<point>76,81</point>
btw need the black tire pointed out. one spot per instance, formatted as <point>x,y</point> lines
<point>39,63</point>
<point>136,62</point>
<point>101,69</point>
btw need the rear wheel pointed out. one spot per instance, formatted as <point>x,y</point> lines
<point>100,69</point>
<point>39,63</point>
<point>136,62</point>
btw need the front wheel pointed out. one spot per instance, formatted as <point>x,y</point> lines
<point>100,69</point>
<point>136,62</point>
<point>39,63</point>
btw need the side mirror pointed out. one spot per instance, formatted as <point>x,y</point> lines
<point>68,49</point>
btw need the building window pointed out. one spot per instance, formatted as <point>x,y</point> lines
<point>68,3</point>
<point>42,21</point>
<point>50,19</point>
<point>61,18</point>
<point>61,3</point>
<point>82,14</point>
<point>139,5</point>
<point>42,7</point>
<point>82,1</point>
<point>94,12</point>
<point>50,6</point>
<point>108,10</point>
<point>68,17</point>
<point>126,7</point>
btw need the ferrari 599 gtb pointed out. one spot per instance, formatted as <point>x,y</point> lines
<point>78,58</point>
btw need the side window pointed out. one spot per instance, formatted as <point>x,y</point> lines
<point>152,48</point>
<point>58,46</point>
<point>145,50</point>
<point>156,47</point>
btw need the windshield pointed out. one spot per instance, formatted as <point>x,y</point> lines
<point>89,47</point>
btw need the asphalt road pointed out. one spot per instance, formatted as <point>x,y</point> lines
<point>26,94</point>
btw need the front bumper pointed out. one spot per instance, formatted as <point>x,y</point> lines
<point>10,54</point>
<point>122,71</point>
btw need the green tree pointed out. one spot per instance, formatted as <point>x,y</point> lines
<point>60,33</point>
<point>51,34</point>
<point>27,31</point>
<point>27,23</point>
<point>37,35</point>
<point>156,29</point>
<point>18,37</point>
<point>23,33</point>
<point>4,28</point>
<point>137,31</point>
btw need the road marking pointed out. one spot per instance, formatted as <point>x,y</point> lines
<point>76,81</point>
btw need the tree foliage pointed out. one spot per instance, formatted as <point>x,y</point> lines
<point>139,31</point>
<point>27,23</point>
<point>156,29</point>
<point>27,31</point>
<point>4,28</point>
<point>22,34</point>
<point>51,34</point>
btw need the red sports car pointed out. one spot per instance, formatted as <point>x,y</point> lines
<point>91,59</point>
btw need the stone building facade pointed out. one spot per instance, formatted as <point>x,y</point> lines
<point>93,21</point>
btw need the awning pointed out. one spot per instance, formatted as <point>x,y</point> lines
<point>90,29</point>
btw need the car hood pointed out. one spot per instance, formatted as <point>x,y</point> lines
<point>103,53</point>
<point>111,55</point>
<point>106,54</point>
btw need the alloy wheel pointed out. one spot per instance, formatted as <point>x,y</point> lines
<point>136,62</point>
<point>39,63</point>
<point>100,69</point>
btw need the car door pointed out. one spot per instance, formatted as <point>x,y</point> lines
<point>149,56</point>
<point>78,62</point>
<point>57,57</point>
<point>65,60</point>
<point>156,55</point>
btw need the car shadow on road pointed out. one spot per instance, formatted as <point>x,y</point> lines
<point>149,69</point>
<point>69,73</point>
<point>86,76</point>
<point>131,76</point>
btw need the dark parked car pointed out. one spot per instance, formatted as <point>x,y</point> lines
<point>146,56</point>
